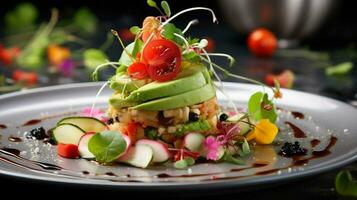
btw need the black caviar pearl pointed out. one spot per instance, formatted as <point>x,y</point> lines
<point>223,117</point>
<point>193,116</point>
<point>38,133</point>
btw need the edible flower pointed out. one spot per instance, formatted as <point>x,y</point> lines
<point>211,145</point>
<point>67,67</point>
<point>264,132</point>
<point>57,54</point>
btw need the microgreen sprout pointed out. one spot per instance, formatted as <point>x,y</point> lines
<point>229,57</point>
<point>192,22</point>
<point>188,10</point>
<point>184,40</point>
<point>97,96</point>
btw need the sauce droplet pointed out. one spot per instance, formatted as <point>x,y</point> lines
<point>14,139</point>
<point>32,122</point>
<point>3,126</point>
<point>298,133</point>
<point>298,115</point>
<point>315,142</point>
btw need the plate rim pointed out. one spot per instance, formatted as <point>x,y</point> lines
<point>178,185</point>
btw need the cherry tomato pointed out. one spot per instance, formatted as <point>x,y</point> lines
<point>7,56</point>
<point>67,150</point>
<point>27,78</point>
<point>138,70</point>
<point>262,42</point>
<point>163,58</point>
<point>211,44</point>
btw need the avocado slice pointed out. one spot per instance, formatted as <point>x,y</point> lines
<point>121,82</point>
<point>184,99</point>
<point>156,90</point>
<point>117,101</point>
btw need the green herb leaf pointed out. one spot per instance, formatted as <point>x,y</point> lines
<point>245,149</point>
<point>151,3</point>
<point>202,125</point>
<point>93,58</point>
<point>340,69</point>
<point>166,8</point>
<point>229,158</point>
<point>22,17</point>
<point>85,20</point>
<point>191,56</point>
<point>260,107</point>
<point>190,161</point>
<point>133,48</point>
<point>169,33</point>
<point>192,40</point>
<point>107,146</point>
<point>180,164</point>
<point>345,185</point>
<point>121,69</point>
<point>151,133</point>
<point>135,30</point>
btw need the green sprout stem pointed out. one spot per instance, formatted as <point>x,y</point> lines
<point>192,22</point>
<point>115,33</point>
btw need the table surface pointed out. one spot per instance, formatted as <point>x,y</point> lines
<point>309,70</point>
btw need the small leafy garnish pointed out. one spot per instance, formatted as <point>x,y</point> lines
<point>340,69</point>
<point>191,56</point>
<point>151,3</point>
<point>107,146</point>
<point>202,125</point>
<point>180,164</point>
<point>231,159</point>
<point>85,20</point>
<point>345,185</point>
<point>135,30</point>
<point>245,149</point>
<point>191,40</point>
<point>165,6</point>
<point>133,48</point>
<point>93,58</point>
<point>260,107</point>
<point>190,160</point>
<point>169,33</point>
<point>151,133</point>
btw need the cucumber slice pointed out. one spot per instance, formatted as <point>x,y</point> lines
<point>243,125</point>
<point>68,134</point>
<point>88,124</point>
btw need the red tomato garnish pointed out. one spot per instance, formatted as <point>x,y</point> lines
<point>138,70</point>
<point>27,78</point>
<point>262,42</point>
<point>67,150</point>
<point>163,58</point>
<point>7,56</point>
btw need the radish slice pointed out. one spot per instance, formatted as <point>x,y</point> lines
<point>161,152</point>
<point>138,156</point>
<point>193,141</point>
<point>83,146</point>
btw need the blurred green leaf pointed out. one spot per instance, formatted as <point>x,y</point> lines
<point>22,17</point>
<point>133,48</point>
<point>345,185</point>
<point>93,58</point>
<point>169,33</point>
<point>340,69</point>
<point>85,20</point>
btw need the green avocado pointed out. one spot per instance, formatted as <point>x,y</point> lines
<point>184,99</point>
<point>117,101</point>
<point>156,90</point>
<point>122,82</point>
